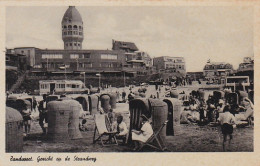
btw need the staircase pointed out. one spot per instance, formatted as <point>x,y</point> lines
<point>19,81</point>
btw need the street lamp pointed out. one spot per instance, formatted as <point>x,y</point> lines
<point>99,74</point>
<point>84,78</point>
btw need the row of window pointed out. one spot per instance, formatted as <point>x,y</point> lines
<point>60,86</point>
<point>109,56</point>
<point>168,66</point>
<point>52,56</point>
<point>72,33</point>
<point>71,44</point>
<point>70,27</point>
<point>60,56</point>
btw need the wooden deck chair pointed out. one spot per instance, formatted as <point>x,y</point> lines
<point>103,129</point>
<point>155,141</point>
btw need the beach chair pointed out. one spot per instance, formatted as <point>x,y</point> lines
<point>103,129</point>
<point>155,141</point>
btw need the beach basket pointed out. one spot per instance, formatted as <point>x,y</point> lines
<point>159,115</point>
<point>105,102</point>
<point>112,101</point>
<point>13,130</point>
<point>174,113</point>
<point>174,94</point>
<point>93,104</point>
<point>58,120</point>
<point>83,100</point>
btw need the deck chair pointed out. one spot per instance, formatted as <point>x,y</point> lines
<point>155,141</point>
<point>103,129</point>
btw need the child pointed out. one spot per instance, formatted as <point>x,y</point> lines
<point>227,120</point>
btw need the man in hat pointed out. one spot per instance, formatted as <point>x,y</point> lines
<point>43,113</point>
<point>144,134</point>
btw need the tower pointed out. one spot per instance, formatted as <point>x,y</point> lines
<point>72,29</point>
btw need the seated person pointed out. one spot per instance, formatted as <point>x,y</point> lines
<point>83,125</point>
<point>144,134</point>
<point>120,127</point>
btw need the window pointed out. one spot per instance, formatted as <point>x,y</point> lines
<point>52,56</point>
<point>75,44</point>
<point>64,33</point>
<point>87,55</point>
<point>75,32</point>
<point>87,65</point>
<point>70,33</point>
<point>74,56</point>
<point>65,27</point>
<point>79,44</point>
<point>69,26</point>
<point>44,86</point>
<point>80,27</point>
<point>80,33</point>
<point>75,26</point>
<point>70,44</point>
<point>109,56</point>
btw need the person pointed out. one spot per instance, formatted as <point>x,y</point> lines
<point>83,125</point>
<point>144,134</point>
<point>26,113</point>
<point>120,127</point>
<point>227,120</point>
<point>123,95</point>
<point>43,113</point>
<point>35,104</point>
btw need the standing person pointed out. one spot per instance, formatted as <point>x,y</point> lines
<point>123,95</point>
<point>43,113</point>
<point>26,113</point>
<point>34,102</point>
<point>144,134</point>
<point>227,120</point>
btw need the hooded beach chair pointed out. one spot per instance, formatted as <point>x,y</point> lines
<point>155,141</point>
<point>103,129</point>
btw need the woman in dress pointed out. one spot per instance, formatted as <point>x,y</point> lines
<point>144,134</point>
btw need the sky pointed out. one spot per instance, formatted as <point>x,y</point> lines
<point>221,34</point>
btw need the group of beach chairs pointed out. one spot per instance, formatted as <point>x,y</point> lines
<point>107,137</point>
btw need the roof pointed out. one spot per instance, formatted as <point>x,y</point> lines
<point>122,45</point>
<point>72,14</point>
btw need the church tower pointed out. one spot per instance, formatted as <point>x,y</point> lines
<point>72,29</point>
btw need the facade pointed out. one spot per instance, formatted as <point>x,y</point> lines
<point>247,65</point>
<point>15,61</point>
<point>176,64</point>
<point>29,52</point>
<point>89,61</point>
<point>217,70</point>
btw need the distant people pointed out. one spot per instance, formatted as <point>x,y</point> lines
<point>227,120</point>
<point>120,127</point>
<point>43,113</point>
<point>26,113</point>
<point>144,134</point>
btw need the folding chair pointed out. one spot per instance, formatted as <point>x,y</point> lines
<point>103,129</point>
<point>155,141</point>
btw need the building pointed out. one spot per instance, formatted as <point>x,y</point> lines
<point>75,61</point>
<point>72,29</point>
<point>15,61</point>
<point>29,52</point>
<point>175,64</point>
<point>217,70</point>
